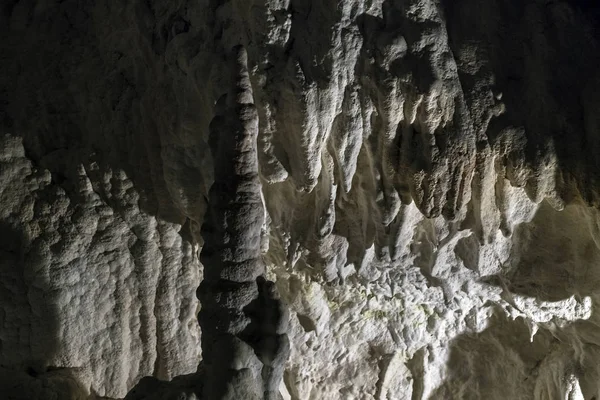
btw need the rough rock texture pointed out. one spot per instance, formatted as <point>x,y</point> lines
<point>244,324</point>
<point>429,180</point>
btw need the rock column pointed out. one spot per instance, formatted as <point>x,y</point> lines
<point>244,324</point>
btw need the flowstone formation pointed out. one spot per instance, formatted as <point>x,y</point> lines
<point>423,192</point>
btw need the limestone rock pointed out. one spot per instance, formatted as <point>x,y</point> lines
<point>423,184</point>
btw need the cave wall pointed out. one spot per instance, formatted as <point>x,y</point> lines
<point>428,168</point>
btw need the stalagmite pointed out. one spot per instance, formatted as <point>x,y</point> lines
<point>244,342</point>
<point>306,199</point>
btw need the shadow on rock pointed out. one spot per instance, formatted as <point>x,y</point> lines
<point>498,363</point>
<point>557,254</point>
<point>27,357</point>
<point>186,387</point>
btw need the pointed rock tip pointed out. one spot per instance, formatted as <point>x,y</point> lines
<point>242,93</point>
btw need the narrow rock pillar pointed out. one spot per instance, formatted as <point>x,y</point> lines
<point>244,324</point>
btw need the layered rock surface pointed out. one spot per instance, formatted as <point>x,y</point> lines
<point>429,175</point>
<point>243,321</point>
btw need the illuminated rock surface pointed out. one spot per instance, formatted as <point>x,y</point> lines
<point>429,174</point>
